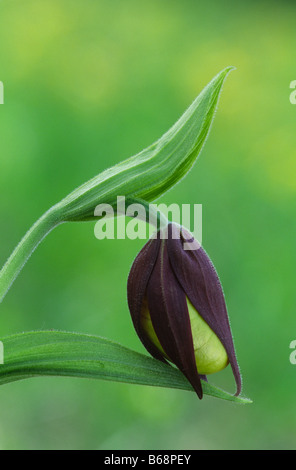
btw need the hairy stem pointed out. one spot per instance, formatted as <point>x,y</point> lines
<point>153,215</point>
<point>25,248</point>
<point>38,232</point>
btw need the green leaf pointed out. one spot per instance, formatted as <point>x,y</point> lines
<point>56,353</point>
<point>153,171</point>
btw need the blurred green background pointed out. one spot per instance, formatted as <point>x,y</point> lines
<point>87,84</point>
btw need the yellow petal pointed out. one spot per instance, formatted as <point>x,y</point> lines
<point>209,352</point>
<point>149,329</point>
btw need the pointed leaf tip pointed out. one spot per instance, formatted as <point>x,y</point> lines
<point>59,353</point>
<point>157,168</point>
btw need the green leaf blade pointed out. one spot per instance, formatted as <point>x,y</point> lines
<point>56,353</point>
<point>154,170</point>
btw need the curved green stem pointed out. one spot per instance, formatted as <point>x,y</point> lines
<point>25,248</point>
<point>41,228</point>
<point>153,216</point>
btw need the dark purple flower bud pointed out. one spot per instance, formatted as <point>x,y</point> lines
<point>178,308</point>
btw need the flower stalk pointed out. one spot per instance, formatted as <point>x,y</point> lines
<point>25,248</point>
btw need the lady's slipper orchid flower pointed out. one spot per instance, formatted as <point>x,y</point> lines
<point>178,308</point>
